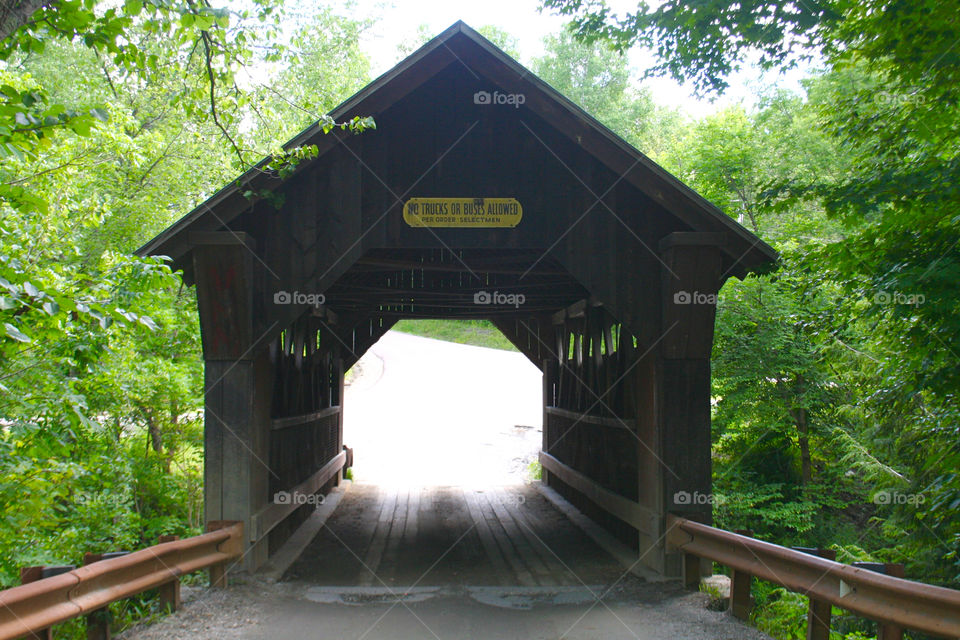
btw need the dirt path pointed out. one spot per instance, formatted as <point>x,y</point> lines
<point>253,610</point>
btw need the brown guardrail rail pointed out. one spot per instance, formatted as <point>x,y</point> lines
<point>886,599</point>
<point>38,605</point>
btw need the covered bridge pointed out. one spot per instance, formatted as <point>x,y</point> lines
<point>482,193</point>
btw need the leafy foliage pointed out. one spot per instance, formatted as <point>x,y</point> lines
<point>100,366</point>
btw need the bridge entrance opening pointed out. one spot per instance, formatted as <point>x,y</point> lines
<point>423,412</point>
<point>442,498</point>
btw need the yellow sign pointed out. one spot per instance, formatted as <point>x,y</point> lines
<point>462,212</point>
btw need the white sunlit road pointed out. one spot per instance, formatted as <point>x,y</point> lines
<point>442,535</point>
<point>425,412</point>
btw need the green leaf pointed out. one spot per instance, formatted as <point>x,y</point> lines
<point>15,334</point>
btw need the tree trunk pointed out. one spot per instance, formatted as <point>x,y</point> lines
<point>806,466</point>
<point>16,13</point>
<point>803,437</point>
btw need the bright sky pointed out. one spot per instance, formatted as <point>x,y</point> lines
<point>398,22</point>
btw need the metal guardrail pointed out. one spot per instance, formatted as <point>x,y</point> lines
<point>34,607</point>
<point>884,598</point>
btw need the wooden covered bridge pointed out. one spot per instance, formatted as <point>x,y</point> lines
<point>482,193</point>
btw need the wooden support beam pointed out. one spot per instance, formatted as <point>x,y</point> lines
<point>549,368</point>
<point>325,313</point>
<point>600,421</point>
<point>224,270</point>
<point>295,421</point>
<point>526,340</point>
<point>576,310</point>
<point>341,372</point>
<point>627,510</point>
<point>690,280</point>
<point>275,512</point>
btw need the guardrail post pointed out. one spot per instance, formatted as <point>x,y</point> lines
<point>98,621</point>
<point>691,572</point>
<point>819,611</point>
<point>170,591</point>
<point>218,572</point>
<point>32,574</point>
<point>886,630</point>
<point>741,599</point>
<point>741,602</point>
<point>218,577</point>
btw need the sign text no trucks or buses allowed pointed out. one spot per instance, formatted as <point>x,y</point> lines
<point>462,212</point>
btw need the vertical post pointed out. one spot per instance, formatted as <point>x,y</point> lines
<point>238,385</point>
<point>741,601</point>
<point>691,572</point>
<point>820,611</point>
<point>98,621</point>
<point>549,377</point>
<point>741,596</point>
<point>217,572</point>
<point>28,575</point>
<point>677,429</point>
<point>232,547</point>
<point>886,630</point>
<point>644,403</point>
<point>218,576</point>
<point>170,591</point>
<point>340,390</point>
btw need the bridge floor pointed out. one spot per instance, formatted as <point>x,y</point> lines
<point>449,563</point>
<point>452,536</point>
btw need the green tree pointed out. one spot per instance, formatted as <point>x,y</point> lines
<point>598,79</point>
<point>100,361</point>
<point>889,101</point>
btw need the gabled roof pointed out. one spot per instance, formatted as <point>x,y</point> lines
<point>744,250</point>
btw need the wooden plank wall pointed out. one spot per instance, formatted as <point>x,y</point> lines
<point>305,411</point>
